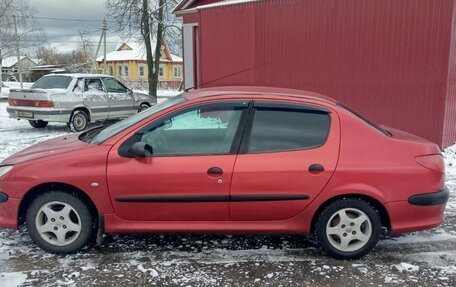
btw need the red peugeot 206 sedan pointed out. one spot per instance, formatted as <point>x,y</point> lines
<point>229,160</point>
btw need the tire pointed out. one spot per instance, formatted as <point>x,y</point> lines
<point>79,121</point>
<point>143,107</point>
<point>39,124</point>
<point>351,236</point>
<point>59,222</point>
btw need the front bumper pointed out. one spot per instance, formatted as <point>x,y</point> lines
<point>9,210</point>
<point>44,114</point>
<point>419,212</point>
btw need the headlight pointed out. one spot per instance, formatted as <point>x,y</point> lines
<point>5,169</point>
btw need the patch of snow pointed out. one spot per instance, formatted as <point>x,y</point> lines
<point>406,267</point>
<point>12,279</point>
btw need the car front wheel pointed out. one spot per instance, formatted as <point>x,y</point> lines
<point>348,228</point>
<point>143,107</point>
<point>59,222</point>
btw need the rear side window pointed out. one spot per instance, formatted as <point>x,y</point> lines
<point>283,129</point>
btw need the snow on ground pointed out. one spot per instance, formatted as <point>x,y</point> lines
<point>425,258</point>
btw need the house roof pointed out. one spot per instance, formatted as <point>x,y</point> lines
<point>194,5</point>
<point>136,52</point>
<point>9,62</point>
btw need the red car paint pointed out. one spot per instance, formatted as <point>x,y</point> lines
<point>359,161</point>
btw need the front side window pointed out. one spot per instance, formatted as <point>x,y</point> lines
<point>282,129</point>
<point>203,130</point>
<point>114,86</point>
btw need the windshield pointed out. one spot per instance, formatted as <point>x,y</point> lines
<point>52,82</point>
<point>110,131</point>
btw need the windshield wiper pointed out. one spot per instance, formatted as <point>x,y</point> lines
<point>90,134</point>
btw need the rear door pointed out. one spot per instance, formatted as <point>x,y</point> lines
<point>121,101</point>
<point>94,97</point>
<point>288,153</point>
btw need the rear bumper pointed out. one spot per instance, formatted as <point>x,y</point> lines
<point>429,199</point>
<point>8,212</point>
<point>419,212</point>
<point>44,114</point>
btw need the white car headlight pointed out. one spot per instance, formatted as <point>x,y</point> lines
<point>5,169</point>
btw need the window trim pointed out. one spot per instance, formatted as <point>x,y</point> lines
<point>280,106</point>
<point>143,68</point>
<point>240,129</point>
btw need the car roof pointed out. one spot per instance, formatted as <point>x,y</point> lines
<point>80,75</point>
<point>255,91</point>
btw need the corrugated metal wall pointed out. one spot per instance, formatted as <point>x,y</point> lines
<point>449,131</point>
<point>386,58</point>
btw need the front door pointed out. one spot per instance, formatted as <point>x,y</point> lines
<point>188,175</point>
<point>287,156</point>
<point>121,100</point>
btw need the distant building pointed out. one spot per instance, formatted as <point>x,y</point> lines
<point>129,63</point>
<point>10,68</point>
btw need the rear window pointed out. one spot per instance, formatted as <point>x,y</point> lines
<point>276,130</point>
<point>52,82</point>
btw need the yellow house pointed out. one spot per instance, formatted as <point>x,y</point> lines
<point>129,64</point>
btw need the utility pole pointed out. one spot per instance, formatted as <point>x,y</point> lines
<point>17,52</point>
<point>104,28</point>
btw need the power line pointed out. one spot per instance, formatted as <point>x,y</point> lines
<point>73,35</point>
<point>67,19</point>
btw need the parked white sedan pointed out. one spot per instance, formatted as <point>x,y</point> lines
<point>75,99</point>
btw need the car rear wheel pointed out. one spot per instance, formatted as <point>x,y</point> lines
<point>59,222</point>
<point>39,124</point>
<point>79,121</point>
<point>348,228</point>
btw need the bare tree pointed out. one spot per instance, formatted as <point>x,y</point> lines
<point>30,35</point>
<point>145,18</point>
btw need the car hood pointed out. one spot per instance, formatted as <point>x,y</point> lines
<point>56,146</point>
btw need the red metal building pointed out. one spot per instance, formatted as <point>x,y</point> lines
<point>392,60</point>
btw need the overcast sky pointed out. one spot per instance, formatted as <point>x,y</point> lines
<point>64,34</point>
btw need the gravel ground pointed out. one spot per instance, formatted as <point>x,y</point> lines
<point>425,258</point>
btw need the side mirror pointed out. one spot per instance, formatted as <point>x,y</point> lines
<point>141,149</point>
<point>129,91</point>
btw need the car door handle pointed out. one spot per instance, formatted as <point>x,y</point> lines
<point>214,171</point>
<point>316,168</point>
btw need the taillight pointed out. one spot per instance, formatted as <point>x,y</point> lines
<point>31,103</point>
<point>434,162</point>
